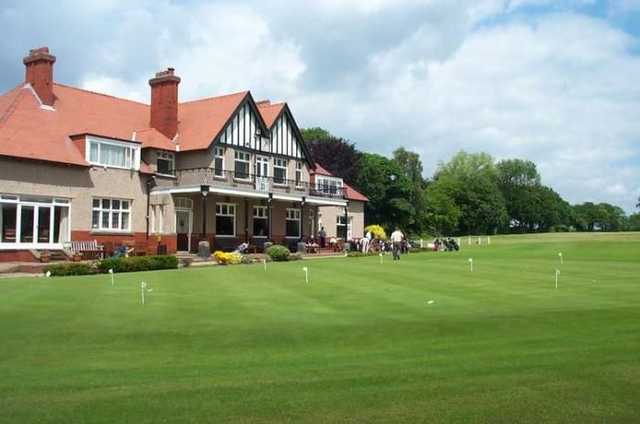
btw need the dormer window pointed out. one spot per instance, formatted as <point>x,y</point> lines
<point>328,185</point>
<point>112,153</point>
<point>166,163</point>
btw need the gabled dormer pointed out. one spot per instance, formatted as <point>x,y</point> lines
<point>245,128</point>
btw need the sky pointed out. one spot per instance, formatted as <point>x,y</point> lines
<point>553,81</point>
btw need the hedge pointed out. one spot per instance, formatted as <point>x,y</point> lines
<point>278,253</point>
<point>71,268</point>
<point>138,263</point>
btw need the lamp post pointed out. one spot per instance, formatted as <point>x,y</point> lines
<point>302,218</point>
<point>204,191</point>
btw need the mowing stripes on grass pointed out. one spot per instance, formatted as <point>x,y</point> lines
<point>419,340</point>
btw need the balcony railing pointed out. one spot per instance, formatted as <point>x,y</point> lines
<point>245,181</point>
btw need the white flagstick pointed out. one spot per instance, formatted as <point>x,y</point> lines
<point>264,262</point>
<point>471,264</point>
<point>557,274</point>
<point>306,274</point>
<point>111,272</point>
<point>561,258</point>
<point>143,286</point>
<point>469,241</point>
<point>488,240</point>
<point>381,257</point>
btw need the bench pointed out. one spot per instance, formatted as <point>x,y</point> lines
<point>87,248</point>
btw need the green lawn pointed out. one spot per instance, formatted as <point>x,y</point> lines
<point>360,343</point>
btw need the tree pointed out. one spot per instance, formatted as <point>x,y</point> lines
<point>470,181</point>
<point>441,212</point>
<point>411,167</point>
<point>335,154</point>
<point>519,183</point>
<point>388,190</point>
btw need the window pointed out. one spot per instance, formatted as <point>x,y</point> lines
<point>113,153</point>
<point>328,185</point>
<point>293,223</point>
<point>111,215</point>
<point>343,231</point>
<point>226,219</point>
<point>242,162</point>
<point>280,171</point>
<point>298,174</point>
<point>166,163</point>
<point>33,220</point>
<point>218,162</point>
<point>260,221</point>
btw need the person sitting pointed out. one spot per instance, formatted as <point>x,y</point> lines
<point>242,248</point>
<point>311,246</point>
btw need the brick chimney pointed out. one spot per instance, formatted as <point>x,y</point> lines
<point>164,102</point>
<point>39,73</point>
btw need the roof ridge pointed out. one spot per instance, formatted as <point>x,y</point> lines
<point>204,99</point>
<point>264,105</point>
<point>101,94</point>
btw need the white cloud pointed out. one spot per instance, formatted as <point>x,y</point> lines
<point>434,76</point>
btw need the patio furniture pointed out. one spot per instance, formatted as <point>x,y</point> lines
<point>88,249</point>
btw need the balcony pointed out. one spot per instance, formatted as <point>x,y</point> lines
<point>250,182</point>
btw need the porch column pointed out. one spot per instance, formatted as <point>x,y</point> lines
<point>270,209</point>
<point>346,222</point>
<point>246,220</point>
<point>302,218</point>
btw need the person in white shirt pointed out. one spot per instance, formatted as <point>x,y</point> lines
<point>396,239</point>
<point>365,242</point>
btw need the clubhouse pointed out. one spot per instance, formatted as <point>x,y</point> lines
<point>76,165</point>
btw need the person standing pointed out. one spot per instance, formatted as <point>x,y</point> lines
<point>396,239</point>
<point>365,242</point>
<point>323,237</point>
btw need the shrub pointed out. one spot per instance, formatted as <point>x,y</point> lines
<point>236,258</point>
<point>295,256</point>
<point>377,231</point>
<point>278,253</point>
<point>138,263</point>
<point>357,254</point>
<point>247,260</point>
<point>72,268</point>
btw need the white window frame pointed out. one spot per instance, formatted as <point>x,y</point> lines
<point>110,211</point>
<point>263,214</point>
<point>168,156</point>
<point>298,176</point>
<point>218,153</point>
<point>246,160</point>
<point>282,164</point>
<point>340,217</point>
<point>219,212</point>
<point>330,181</point>
<point>293,214</point>
<point>132,152</point>
<point>37,203</point>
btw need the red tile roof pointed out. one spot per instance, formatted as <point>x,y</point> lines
<point>150,137</point>
<point>200,121</point>
<point>350,192</point>
<point>270,111</point>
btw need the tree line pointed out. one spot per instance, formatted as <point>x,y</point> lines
<point>472,193</point>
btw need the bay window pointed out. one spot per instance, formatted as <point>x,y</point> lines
<point>111,215</point>
<point>226,219</point>
<point>280,170</point>
<point>33,222</point>
<point>293,223</point>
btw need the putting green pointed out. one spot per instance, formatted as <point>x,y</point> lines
<point>422,340</point>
